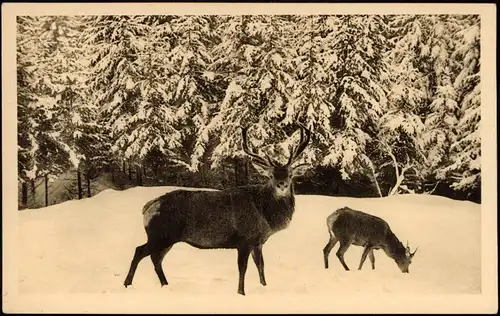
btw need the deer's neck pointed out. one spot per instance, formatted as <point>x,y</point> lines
<point>278,211</point>
<point>394,248</point>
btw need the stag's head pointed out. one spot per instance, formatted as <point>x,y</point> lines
<point>404,260</point>
<point>280,176</point>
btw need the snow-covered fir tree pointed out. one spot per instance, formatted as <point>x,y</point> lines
<point>255,58</point>
<point>356,45</point>
<point>41,126</point>
<point>465,163</point>
<point>131,84</point>
<point>395,98</point>
<point>195,95</point>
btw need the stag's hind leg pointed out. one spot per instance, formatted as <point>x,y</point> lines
<point>243,254</point>
<point>329,246</point>
<point>340,253</point>
<point>140,253</point>
<point>157,259</point>
<point>258,258</point>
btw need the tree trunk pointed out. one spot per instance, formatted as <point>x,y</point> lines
<point>33,188</point>
<point>124,169</point>
<point>224,183</point>
<point>395,188</point>
<point>24,193</point>
<point>178,180</point>
<point>113,174</point>
<point>138,175</point>
<point>247,175</point>
<point>374,178</point>
<point>203,177</point>
<point>399,180</point>
<point>88,185</point>
<point>129,172</point>
<point>236,171</point>
<point>46,190</point>
<point>432,191</point>
<point>164,169</point>
<point>79,180</point>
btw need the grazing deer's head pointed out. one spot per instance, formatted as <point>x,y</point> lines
<point>280,176</point>
<point>404,261</point>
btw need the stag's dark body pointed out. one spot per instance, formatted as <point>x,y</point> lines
<point>241,217</point>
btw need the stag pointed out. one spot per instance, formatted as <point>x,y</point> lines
<point>241,218</point>
<point>371,232</point>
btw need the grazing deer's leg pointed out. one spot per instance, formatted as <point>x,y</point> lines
<point>329,246</point>
<point>140,253</point>
<point>367,250</point>
<point>243,254</point>
<point>258,258</point>
<point>340,253</point>
<point>372,259</point>
<point>157,258</point>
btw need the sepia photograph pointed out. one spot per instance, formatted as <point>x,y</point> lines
<point>272,158</point>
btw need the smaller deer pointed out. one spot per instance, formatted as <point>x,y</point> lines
<point>354,227</point>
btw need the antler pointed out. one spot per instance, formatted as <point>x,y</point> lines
<point>271,161</point>
<point>259,159</point>
<point>302,143</point>
<point>408,250</point>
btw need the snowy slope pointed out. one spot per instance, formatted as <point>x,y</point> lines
<point>86,246</point>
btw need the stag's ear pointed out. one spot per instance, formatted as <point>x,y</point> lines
<point>263,169</point>
<point>300,170</point>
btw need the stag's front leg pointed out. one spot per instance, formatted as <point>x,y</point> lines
<point>243,254</point>
<point>367,250</point>
<point>372,259</point>
<point>258,258</point>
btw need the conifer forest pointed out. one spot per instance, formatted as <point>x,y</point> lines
<point>393,102</point>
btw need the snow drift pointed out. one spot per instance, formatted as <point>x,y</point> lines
<point>85,247</point>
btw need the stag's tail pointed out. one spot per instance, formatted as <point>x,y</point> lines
<point>149,210</point>
<point>147,205</point>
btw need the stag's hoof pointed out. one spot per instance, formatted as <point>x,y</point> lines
<point>163,284</point>
<point>263,283</point>
<point>126,284</point>
<point>241,292</point>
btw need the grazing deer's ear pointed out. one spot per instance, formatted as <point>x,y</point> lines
<point>263,169</point>
<point>299,170</point>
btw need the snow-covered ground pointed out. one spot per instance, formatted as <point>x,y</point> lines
<point>85,247</point>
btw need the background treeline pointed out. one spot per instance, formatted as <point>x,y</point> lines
<point>114,101</point>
